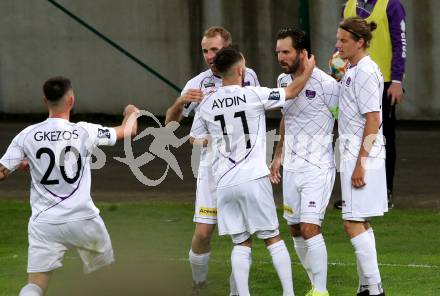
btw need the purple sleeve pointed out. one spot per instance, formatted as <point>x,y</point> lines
<point>359,11</point>
<point>396,20</point>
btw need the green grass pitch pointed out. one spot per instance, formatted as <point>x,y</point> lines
<point>151,242</point>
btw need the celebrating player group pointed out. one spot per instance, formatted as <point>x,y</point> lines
<point>233,186</point>
<point>234,189</point>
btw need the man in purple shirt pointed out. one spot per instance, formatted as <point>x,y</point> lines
<point>393,91</point>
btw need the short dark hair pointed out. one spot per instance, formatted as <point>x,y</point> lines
<point>359,29</point>
<point>299,38</point>
<point>56,87</point>
<point>226,58</point>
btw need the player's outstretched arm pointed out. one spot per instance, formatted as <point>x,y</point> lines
<point>174,113</point>
<point>293,89</point>
<point>4,173</point>
<point>129,123</point>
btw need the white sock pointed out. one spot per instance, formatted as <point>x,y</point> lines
<point>374,289</point>
<point>199,266</point>
<point>317,260</point>
<point>232,285</point>
<point>366,258</point>
<point>301,251</point>
<point>241,264</point>
<point>283,266</point>
<point>362,280</point>
<point>31,290</point>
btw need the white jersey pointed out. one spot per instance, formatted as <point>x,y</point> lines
<point>309,121</point>
<point>59,154</point>
<point>208,82</point>
<point>361,93</point>
<point>235,118</point>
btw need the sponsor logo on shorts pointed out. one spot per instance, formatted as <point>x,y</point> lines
<point>274,95</point>
<point>312,204</point>
<point>310,94</point>
<point>210,212</point>
<point>288,210</point>
<point>103,133</point>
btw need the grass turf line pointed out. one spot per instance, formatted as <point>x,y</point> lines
<point>151,242</point>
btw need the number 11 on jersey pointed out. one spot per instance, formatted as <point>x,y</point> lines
<point>242,115</point>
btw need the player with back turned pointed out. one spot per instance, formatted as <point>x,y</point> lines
<point>234,118</point>
<point>205,216</point>
<point>63,214</point>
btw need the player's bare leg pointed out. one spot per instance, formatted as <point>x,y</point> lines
<point>362,238</point>
<point>37,284</point>
<point>201,241</point>
<point>199,255</point>
<point>282,263</point>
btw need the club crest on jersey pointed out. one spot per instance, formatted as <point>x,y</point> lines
<point>348,81</point>
<point>246,83</point>
<point>274,95</point>
<point>210,84</point>
<point>103,133</point>
<point>310,94</point>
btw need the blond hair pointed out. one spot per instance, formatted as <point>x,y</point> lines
<point>216,30</point>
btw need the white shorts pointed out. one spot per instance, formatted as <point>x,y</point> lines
<point>49,242</point>
<point>306,195</point>
<point>368,201</point>
<point>206,201</point>
<point>246,209</point>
